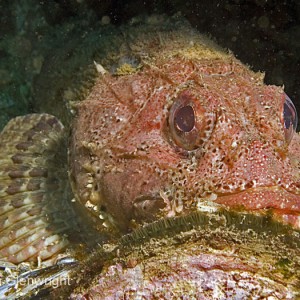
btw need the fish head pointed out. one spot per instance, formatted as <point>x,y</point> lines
<point>186,131</point>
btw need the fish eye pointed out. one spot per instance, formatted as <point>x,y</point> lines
<point>290,118</point>
<point>184,118</point>
<point>189,122</point>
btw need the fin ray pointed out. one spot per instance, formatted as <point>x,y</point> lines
<point>35,215</point>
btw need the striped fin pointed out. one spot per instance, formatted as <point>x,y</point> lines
<point>35,216</point>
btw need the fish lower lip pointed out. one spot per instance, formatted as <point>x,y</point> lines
<point>262,198</point>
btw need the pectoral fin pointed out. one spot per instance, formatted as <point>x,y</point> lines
<point>34,211</point>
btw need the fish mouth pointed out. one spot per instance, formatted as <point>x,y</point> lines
<point>284,205</point>
<point>261,198</point>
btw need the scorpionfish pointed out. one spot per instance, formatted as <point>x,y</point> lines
<point>182,126</point>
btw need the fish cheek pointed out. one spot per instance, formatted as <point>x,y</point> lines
<point>117,199</point>
<point>132,196</point>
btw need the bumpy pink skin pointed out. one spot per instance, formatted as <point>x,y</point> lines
<point>127,161</point>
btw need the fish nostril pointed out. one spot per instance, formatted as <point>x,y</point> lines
<point>249,185</point>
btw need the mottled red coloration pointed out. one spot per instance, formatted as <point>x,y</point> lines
<point>132,162</point>
<point>189,129</point>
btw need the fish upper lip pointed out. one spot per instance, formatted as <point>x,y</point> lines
<point>258,188</point>
<point>220,194</point>
<point>263,197</point>
<point>254,198</point>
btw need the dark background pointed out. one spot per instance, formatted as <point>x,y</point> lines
<point>264,34</point>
